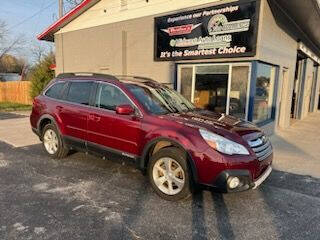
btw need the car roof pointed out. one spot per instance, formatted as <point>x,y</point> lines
<point>126,79</point>
<point>83,75</point>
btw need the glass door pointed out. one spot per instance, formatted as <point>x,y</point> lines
<point>185,82</point>
<point>221,88</point>
<point>239,90</point>
<point>211,87</point>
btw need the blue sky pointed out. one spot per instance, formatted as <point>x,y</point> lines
<point>18,13</point>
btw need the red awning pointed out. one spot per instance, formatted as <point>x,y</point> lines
<point>47,34</point>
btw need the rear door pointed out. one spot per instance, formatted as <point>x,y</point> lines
<point>107,129</point>
<point>74,111</point>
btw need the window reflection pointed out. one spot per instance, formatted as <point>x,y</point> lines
<point>264,93</point>
<point>238,92</point>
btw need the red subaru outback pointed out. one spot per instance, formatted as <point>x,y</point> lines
<point>179,146</point>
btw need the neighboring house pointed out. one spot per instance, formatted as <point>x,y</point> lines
<point>9,77</point>
<point>255,59</point>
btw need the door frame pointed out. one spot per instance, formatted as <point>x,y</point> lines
<point>313,94</point>
<point>230,65</point>
<point>283,95</point>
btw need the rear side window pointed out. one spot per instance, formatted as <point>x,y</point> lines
<point>109,97</point>
<point>79,92</point>
<point>55,90</point>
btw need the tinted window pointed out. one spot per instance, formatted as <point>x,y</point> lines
<point>55,90</point>
<point>109,97</point>
<point>79,92</point>
<point>263,99</point>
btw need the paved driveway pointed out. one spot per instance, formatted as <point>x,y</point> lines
<point>83,197</point>
<point>15,129</point>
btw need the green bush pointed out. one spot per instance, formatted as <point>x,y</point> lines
<point>41,75</point>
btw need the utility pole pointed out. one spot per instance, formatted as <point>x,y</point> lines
<point>60,8</point>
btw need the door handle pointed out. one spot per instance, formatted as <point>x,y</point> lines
<point>59,108</point>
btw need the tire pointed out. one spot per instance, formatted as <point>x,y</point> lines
<point>178,176</point>
<point>58,151</point>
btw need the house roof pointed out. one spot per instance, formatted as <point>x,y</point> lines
<point>48,34</point>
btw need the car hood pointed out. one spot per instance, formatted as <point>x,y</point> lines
<point>215,122</point>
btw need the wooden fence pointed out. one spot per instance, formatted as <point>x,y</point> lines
<point>17,92</point>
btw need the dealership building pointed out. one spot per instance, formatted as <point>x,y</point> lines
<point>254,59</point>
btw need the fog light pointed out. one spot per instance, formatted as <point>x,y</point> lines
<point>233,182</point>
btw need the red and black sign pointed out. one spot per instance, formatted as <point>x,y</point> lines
<point>228,30</point>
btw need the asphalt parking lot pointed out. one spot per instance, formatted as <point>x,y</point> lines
<point>83,197</point>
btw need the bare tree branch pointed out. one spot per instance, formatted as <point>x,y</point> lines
<point>69,4</point>
<point>38,52</point>
<point>12,45</point>
<point>8,46</point>
<point>3,30</point>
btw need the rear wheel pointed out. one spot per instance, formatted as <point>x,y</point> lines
<point>169,174</point>
<point>52,142</point>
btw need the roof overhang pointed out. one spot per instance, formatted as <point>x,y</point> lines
<point>48,34</point>
<point>300,19</point>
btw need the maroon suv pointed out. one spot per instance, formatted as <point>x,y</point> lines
<point>177,145</point>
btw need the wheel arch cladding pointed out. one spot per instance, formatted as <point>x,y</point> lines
<point>47,119</point>
<point>148,149</point>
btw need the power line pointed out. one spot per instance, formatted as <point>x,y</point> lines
<point>32,16</point>
<point>37,24</point>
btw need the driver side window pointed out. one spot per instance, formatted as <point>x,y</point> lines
<point>109,97</point>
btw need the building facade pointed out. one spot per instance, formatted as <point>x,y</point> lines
<point>254,59</point>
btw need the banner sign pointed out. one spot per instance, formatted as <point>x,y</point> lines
<point>228,30</point>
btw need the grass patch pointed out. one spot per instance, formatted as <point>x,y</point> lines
<point>9,106</point>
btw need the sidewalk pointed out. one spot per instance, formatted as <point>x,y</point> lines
<point>297,149</point>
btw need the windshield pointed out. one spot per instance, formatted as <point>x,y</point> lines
<point>160,99</point>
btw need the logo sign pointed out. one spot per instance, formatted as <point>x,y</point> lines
<point>181,30</point>
<point>219,25</point>
<point>228,30</point>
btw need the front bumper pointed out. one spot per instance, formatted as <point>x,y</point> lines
<point>262,178</point>
<point>246,182</point>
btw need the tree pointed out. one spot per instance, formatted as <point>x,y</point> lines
<point>8,45</point>
<point>41,74</point>
<point>70,4</point>
<point>74,2</point>
<point>12,64</point>
<point>38,52</point>
<point>3,29</point>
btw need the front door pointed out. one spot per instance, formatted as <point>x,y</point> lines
<point>221,88</point>
<point>107,129</point>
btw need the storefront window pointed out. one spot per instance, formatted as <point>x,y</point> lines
<point>221,88</point>
<point>238,91</point>
<point>264,93</point>
<point>186,82</point>
<point>211,87</point>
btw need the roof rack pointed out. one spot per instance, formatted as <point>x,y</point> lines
<point>86,74</point>
<point>135,77</point>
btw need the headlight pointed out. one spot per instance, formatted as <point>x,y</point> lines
<point>222,144</point>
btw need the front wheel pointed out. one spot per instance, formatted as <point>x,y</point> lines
<point>169,174</point>
<point>52,142</point>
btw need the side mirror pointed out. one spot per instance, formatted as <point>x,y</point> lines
<point>125,110</point>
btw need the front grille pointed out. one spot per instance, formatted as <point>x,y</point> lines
<point>261,146</point>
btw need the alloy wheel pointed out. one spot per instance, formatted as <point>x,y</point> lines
<point>168,176</point>
<point>50,141</point>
